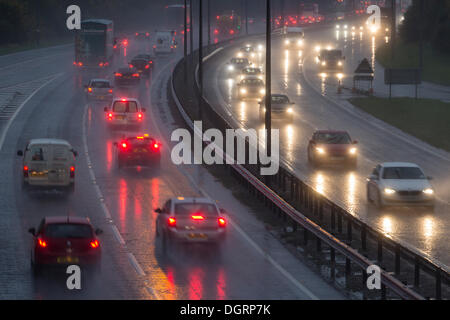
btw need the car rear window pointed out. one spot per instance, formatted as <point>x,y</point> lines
<point>332,138</point>
<point>68,230</point>
<point>280,99</point>
<point>403,173</point>
<point>204,209</point>
<point>125,106</point>
<point>38,153</point>
<point>100,84</point>
<point>252,71</point>
<point>60,153</point>
<point>253,82</point>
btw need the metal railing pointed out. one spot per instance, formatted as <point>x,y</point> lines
<point>343,233</point>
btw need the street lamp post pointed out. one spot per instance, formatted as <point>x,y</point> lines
<point>268,102</point>
<point>393,29</point>
<point>200,57</point>
<point>209,24</point>
<point>191,28</point>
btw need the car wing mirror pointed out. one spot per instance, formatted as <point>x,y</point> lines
<point>98,231</point>
<point>32,231</point>
<point>158,210</point>
<point>20,153</point>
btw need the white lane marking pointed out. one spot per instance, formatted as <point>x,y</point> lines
<point>135,264</point>
<point>11,120</point>
<point>117,235</point>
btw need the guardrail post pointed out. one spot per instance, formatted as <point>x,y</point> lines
<point>397,260</point>
<point>416,272</point>
<point>438,284</point>
<point>339,222</point>
<point>348,271</point>
<point>332,263</point>
<point>349,231</point>
<point>333,218</point>
<point>363,238</point>
<point>380,249</point>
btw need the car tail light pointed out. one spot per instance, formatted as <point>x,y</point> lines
<point>172,222</point>
<point>25,171</point>
<point>101,64</point>
<point>147,66</point>
<point>216,31</point>
<point>154,46</point>
<point>136,75</point>
<point>231,31</point>
<point>222,222</point>
<point>115,46</point>
<point>137,33</point>
<point>118,74</point>
<point>74,63</point>
<point>155,146</point>
<point>80,64</point>
<point>90,89</point>
<point>72,171</point>
<point>42,243</point>
<point>110,116</point>
<point>147,34</point>
<point>151,62</point>
<point>110,90</point>
<point>140,116</point>
<point>131,66</point>
<point>125,42</point>
<point>94,244</point>
<point>197,217</point>
<point>124,145</point>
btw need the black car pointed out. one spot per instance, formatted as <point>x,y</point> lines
<point>127,77</point>
<point>142,65</point>
<point>139,151</point>
<point>281,107</point>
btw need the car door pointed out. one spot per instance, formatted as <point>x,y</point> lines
<point>59,159</point>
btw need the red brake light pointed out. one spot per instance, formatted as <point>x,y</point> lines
<point>156,146</point>
<point>140,138</point>
<point>151,62</point>
<point>137,33</point>
<point>216,31</point>
<point>197,217</point>
<point>94,244</point>
<point>147,66</point>
<point>101,64</point>
<point>25,171</point>
<point>90,89</point>
<point>80,64</point>
<point>136,75</point>
<point>124,145</point>
<point>231,31</point>
<point>110,116</point>
<point>110,90</point>
<point>140,116</point>
<point>115,46</point>
<point>172,222</point>
<point>42,243</point>
<point>222,222</point>
<point>72,171</point>
<point>118,74</point>
<point>131,66</point>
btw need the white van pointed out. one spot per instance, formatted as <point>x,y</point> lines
<point>164,42</point>
<point>48,164</point>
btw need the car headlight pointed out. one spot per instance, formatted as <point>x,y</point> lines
<point>230,68</point>
<point>320,150</point>
<point>300,42</point>
<point>428,191</point>
<point>289,110</point>
<point>340,63</point>
<point>252,55</point>
<point>352,151</point>
<point>239,55</point>
<point>324,63</point>
<point>389,191</point>
<point>264,109</point>
<point>262,91</point>
<point>287,42</point>
<point>243,91</point>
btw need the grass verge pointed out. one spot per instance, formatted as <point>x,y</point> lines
<point>426,119</point>
<point>13,48</point>
<point>436,65</point>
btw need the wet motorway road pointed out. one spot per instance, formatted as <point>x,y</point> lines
<point>295,74</point>
<point>121,202</point>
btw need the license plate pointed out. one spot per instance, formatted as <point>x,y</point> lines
<point>198,236</point>
<point>120,117</point>
<point>67,259</point>
<point>140,150</point>
<point>39,174</point>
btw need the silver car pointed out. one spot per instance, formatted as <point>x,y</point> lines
<point>99,89</point>
<point>191,220</point>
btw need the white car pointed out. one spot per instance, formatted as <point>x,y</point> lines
<point>99,89</point>
<point>399,183</point>
<point>125,112</point>
<point>48,164</point>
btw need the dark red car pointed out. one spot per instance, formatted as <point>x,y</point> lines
<point>138,150</point>
<point>63,241</point>
<point>328,146</point>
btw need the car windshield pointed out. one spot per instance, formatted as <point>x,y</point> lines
<point>205,209</point>
<point>67,230</point>
<point>125,106</point>
<point>332,138</point>
<point>332,54</point>
<point>403,173</point>
<point>280,99</point>
<point>252,71</point>
<point>100,84</point>
<point>253,82</point>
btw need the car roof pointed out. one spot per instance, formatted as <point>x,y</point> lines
<point>126,100</point>
<point>67,219</point>
<point>50,141</point>
<point>99,80</point>
<point>399,164</point>
<point>192,200</point>
<point>330,131</point>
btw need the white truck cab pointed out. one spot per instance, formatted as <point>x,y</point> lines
<point>48,164</point>
<point>164,42</point>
